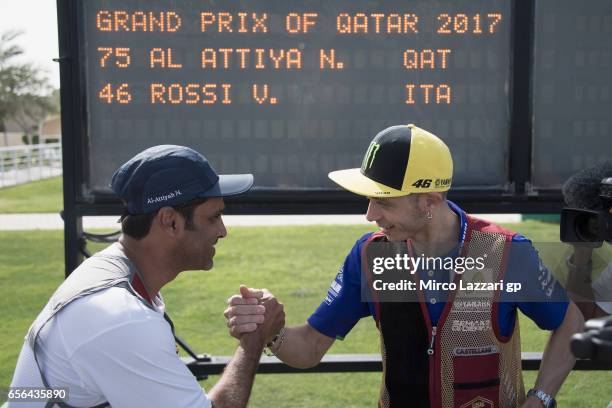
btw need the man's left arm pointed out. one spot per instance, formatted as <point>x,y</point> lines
<point>557,360</point>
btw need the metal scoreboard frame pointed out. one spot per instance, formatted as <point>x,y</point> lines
<point>516,196</point>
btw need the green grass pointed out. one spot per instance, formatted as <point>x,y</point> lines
<point>43,196</point>
<point>295,263</point>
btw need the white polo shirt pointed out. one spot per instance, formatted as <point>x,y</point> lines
<point>109,346</point>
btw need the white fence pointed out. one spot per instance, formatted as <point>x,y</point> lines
<point>22,164</point>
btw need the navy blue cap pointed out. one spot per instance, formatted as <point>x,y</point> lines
<point>170,175</point>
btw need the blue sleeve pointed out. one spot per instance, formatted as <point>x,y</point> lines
<point>342,307</point>
<point>541,298</point>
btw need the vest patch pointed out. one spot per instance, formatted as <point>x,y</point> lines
<point>475,351</point>
<point>478,402</point>
<point>472,305</point>
<point>471,325</point>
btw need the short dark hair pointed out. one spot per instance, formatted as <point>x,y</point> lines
<point>444,194</point>
<point>138,226</point>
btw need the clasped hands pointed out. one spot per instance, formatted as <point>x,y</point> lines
<point>254,312</point>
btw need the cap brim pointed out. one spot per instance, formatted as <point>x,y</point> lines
<point>230,184</point>
<point>355,182</point>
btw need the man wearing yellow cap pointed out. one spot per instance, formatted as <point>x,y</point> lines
<point>458,346</point>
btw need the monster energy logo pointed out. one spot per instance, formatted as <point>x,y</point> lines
<point>368,160</point>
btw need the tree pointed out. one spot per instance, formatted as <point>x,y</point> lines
<point>24,88</point>
<point>31,109</point>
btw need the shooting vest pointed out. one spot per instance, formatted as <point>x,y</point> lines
<point>103,270</point>
<point>464,361</point>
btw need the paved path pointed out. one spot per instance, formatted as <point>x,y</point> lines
<point>21,222</point>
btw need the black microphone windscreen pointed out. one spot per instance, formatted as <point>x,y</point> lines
<point>582,189</point>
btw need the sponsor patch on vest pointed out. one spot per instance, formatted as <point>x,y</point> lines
<point>478,402</point>
<point>471,325</point>
<point>472,305</point>
<point>475,351</point>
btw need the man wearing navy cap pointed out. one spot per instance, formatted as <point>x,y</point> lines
<point>103,336</point>
<point>440,348</point>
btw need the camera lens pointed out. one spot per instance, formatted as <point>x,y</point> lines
<point>587,228</point>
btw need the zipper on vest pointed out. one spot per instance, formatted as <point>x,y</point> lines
<point>430,350</point>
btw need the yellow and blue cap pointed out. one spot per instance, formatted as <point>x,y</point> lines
<point>400,160</point>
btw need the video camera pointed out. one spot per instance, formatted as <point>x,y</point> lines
<point>596,341</point>
<point>590,227</point>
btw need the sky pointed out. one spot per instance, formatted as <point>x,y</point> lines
<point>38,21</point>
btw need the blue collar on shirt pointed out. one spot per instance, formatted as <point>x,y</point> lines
<point>462,220</point>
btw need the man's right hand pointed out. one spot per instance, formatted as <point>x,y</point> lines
<point>255,312</point>
<point>244,313</point>
<point>274,320</point>
<point>254,317</point>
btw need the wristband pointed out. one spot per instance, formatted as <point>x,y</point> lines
<point>547,400</point>
<point>276,343</point>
